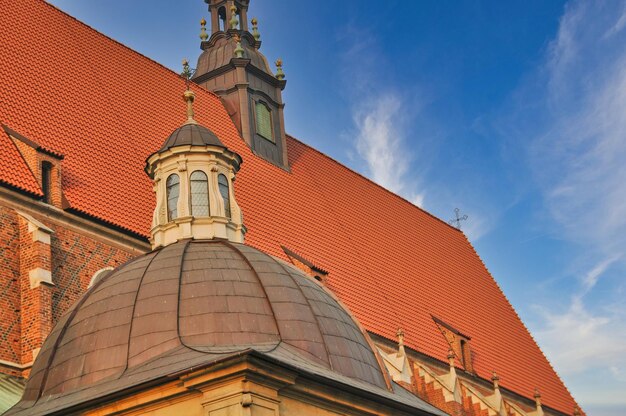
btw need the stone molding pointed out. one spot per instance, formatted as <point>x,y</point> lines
<point>40,232</point>
<point>38,276</point>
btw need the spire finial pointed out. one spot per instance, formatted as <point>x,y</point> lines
<point>238,50</point>
<point>451,356</point>
<point>280,75</point>
<point>400,335</point>
<point>255,29</point>
<point>203,34</point>
<point>234,22</point>
<point>537,397</point>
<point>495,379</point>
<point>188,95</point>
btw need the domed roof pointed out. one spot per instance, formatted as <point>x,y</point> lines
<point>220,54</point>
<point>191,134</point>
<point>194,300</point>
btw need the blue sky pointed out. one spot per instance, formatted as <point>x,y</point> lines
<point>512,111</point>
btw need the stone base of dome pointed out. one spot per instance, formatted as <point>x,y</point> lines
<point>197,228</point>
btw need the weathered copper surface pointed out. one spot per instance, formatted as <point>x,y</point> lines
<point>191,134</point>
<point>221,53</point>
<point>207,297</point>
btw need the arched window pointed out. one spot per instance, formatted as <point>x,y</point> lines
<point>199,194</point>
<point>223,184</point>
<point>222,18</point>
<point>263,120</point>
<point>172,190</point>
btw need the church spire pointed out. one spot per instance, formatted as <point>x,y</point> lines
<point>232,66</point>
<point>193,174</point>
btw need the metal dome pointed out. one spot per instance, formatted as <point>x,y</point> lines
<point>192,134</point>
<point>199,297</point>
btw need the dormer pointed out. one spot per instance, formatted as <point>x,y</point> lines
<point>45,165</point>
<point>193,174</point>
<point>232,66</point>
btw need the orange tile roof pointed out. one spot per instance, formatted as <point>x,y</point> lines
<point>106,108</point>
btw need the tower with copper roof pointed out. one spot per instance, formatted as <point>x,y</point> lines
<point>232,65</point>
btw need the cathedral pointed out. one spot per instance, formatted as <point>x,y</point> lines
<point>162,255</point>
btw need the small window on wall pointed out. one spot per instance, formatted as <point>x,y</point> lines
<point>46,181</point>
<point>199,190</point>
<point>223,184</point>
<point>172,190</point>
<point>263,121</point>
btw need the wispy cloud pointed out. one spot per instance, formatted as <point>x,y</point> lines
<point>380,141</point>
<point>381,117</point>
<point>576,147</point>
<point>579,156</point>
<point>597,340</point>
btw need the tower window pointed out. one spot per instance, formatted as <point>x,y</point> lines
<point>172,190</point>
<point>199,194</point>
<point>223,185</point>
<point>222,18</point>
<point>263,121</point>
<point>46,181</point>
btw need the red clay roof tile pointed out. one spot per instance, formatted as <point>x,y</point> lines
<point>106,108</point>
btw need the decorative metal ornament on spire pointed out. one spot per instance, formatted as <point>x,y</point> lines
<point>203,35</point>
<point>255,29</point>
<point>239,52</point>
<point>456,222</point>
<point>188,95</point>
<point>234,22</point>
<point>280,75</point>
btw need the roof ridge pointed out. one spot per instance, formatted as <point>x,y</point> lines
<point>371,181</point>
<point>57,9</point>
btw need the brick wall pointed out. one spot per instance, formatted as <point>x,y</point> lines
<point>27,314</point>
<point>10,348</point>
<point>75,259</point>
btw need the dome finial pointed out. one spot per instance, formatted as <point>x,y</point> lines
<point>188,95</point>
<point>203,35</point>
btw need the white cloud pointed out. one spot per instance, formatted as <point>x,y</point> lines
<point>578,340</point>
<point>592,277</point>
<point>577,152</point>
<point>381,116</point>
<point>380,142</point>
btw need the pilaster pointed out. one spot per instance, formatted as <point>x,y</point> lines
<point>36,285</point>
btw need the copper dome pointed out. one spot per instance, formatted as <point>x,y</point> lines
<point>191,134</point>
<point>195,300</point>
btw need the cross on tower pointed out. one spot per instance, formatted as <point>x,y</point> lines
<point>456,222</point>
<point>187,72</point>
